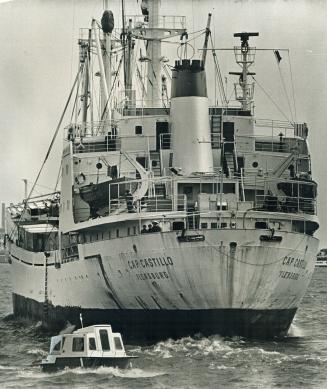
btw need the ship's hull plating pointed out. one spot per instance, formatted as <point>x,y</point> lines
<point>155,287</point>
<point>151,325</point>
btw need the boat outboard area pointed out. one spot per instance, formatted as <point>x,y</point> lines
<point>87,347</point>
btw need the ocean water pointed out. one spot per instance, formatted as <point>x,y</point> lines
<point>298,361</point>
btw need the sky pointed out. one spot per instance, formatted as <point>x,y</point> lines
<point>38,42</point>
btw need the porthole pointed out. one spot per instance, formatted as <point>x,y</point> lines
<point>255,164</point>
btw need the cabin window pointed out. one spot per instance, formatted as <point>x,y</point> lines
<point>128,231</point>
<point>138,130</point>
<point>223,225</point>
<point>178,226</point>
<point>260,225</point>
<point>117,233</point>
<point>204,225</point>
<point>66,169</point>
<point>92,345</point>
<point>214,225</point>
<point>78,344</point>
<point>134,230</point>
<point>118,344</point>
<point>104,340</point>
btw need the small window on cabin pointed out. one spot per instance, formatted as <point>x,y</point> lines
<point>178,226</point>
<point>104,340</point>
<point>117,233</point>
<point>255,164</point>
<point>138,130</point>
<point>214,225</point>
<point>261,225</point>
<point>223,225</point>
<point>128,231</point>
<point>204,225</point>
<point>78,344</point>
<point>109,234</point>
<point>134,230</point>
<point>63,341</point>
<point>92,345</point>
<point>118,345</point>
<point>57,346</point>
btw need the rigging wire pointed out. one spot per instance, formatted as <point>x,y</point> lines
<point>218,75</point>
<point>48,152</point>
<point>292,83</point>
<point>271,99</point>
<point>284,88</point>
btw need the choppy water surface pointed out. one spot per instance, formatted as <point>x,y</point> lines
<point>298,361</point>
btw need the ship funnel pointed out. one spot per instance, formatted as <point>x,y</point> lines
<point>189,118</point>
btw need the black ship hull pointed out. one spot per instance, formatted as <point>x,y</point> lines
<point>154,325</point>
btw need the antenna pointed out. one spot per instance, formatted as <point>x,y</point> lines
<point>244,56</point>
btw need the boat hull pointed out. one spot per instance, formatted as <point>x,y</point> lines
<point>85,362</point>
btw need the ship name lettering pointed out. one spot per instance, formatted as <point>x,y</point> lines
<point>150,262</point>
<point>288,275</point>
<point>152,276</point>
<point>296,262</point>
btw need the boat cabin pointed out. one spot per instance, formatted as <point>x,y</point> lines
<point>91,346</point>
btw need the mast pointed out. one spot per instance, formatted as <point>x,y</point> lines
<point>101,66</point>
<point>130,96</point>
<point>244,56</point>
<point>86,82</point>
<point>107,24</point>
<point>206,39</point>
<point>153,52</point>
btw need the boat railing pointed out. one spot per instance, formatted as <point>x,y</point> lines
<point>286,128</point>
<point>141,107</point>
<point>90,129</point>
<point>286,204</point>
<point>133,143</point>
<point>164,21</point>
<point>156,203</point>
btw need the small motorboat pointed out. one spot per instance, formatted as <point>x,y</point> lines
<point>87,347</point>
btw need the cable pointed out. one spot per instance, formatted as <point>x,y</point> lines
<point>284,88</point>
<point>292,83</point>
<point>48,152</point>
<point>270,98</point>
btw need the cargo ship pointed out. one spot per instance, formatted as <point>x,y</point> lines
<point>175,216</point>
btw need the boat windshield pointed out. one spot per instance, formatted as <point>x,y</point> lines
<point>118,344</point>
<point>104,340</point>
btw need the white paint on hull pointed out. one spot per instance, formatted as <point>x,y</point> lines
<point>194,275</point>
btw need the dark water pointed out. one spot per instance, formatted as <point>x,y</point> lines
<point>297,362</point>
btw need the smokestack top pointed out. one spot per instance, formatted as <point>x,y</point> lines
<point>188,79</point>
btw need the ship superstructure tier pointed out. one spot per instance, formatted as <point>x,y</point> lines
<point>174,216</point>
